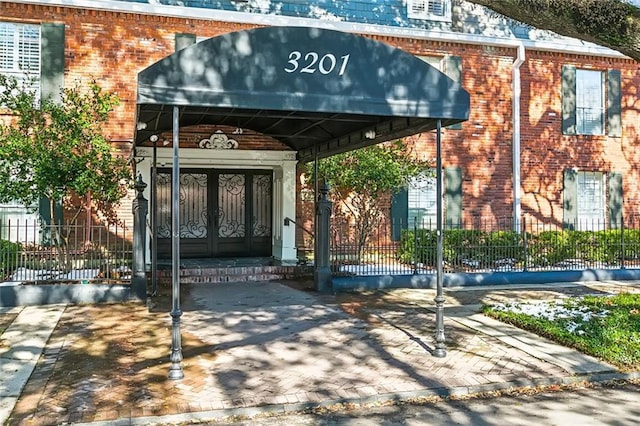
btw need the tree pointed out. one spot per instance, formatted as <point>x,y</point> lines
<point>57,151</point>
<point>611,23</point>
<point>360,180</point>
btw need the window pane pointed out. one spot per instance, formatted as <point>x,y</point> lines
<point>591,201</point>
<point>589,102</point>
<point>436,7</point>
<point>20,53</point>
<point>434,61</point>
<point>428,9</point>
<point>29,49</point>
<point>6,47</point>
<point>422,199</point>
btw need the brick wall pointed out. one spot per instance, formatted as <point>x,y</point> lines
<point>113,47</point>
<point>546,153</point>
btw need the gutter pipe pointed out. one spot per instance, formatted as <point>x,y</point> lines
<point>517,207</point>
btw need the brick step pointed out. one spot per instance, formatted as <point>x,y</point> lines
<point>234,274</point>
<point>193,279</point>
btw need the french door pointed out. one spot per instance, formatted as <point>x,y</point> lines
<point>223,213</point>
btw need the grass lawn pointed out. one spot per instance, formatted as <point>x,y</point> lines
<point>607,327</point>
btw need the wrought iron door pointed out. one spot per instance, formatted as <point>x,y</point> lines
<point>222,213</point>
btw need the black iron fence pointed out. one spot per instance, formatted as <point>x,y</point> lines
<point>31,252</point>
<point>34,252</point>
<point>481,245</point>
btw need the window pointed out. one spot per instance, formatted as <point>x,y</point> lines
<point>434,61</point>
<point>19,224</point>
<point>433,10</point>
<point>589,102</point>
<point>20,53</point>
<point>416,204</point>
<point>591,201</point>
<point>421,202</point>
<point>451,66</point>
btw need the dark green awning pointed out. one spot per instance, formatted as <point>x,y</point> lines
<point>315,90</point>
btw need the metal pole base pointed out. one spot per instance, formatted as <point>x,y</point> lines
<point>175,371</point>
<point>439,351</point>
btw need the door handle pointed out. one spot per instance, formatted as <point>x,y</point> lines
<point>214,218</point>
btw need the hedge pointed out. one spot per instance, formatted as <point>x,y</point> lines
<point>8,257</point>
<point>548,248</point>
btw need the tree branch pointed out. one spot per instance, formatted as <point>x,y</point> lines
<point>611,23</point>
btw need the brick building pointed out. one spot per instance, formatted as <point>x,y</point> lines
<point>552,132</point>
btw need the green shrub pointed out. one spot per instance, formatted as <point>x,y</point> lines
<point>418,247</point>
<point>460,245</point>
<point>501,245</point>
<point>547,248</point>
<point>8,257</point>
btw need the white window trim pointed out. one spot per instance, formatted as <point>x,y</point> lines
<point>419,9</point>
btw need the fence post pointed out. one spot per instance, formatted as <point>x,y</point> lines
<point>415,245</point>
<point>622,240</point>
<point>140,207</point>
<point>525,244</point>
<point>323,215</point>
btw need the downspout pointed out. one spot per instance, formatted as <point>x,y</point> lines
<point>516,82</point>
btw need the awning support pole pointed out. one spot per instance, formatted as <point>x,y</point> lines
<point>316,194</point>
<point>439,351</point>
<point>175,371</point>
<point>154,216</point>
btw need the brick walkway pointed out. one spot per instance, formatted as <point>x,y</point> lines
<point>268,345</point>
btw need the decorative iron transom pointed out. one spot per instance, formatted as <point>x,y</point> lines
<point>218,140</point>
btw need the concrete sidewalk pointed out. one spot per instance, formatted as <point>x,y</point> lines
<point>266,347</point>
<point>21,344</point>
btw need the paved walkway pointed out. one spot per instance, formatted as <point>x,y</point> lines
<point>256,347</point>
<point>25,332</point>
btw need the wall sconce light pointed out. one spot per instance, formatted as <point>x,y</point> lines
<point>141,125</point>
<point>370,134</point>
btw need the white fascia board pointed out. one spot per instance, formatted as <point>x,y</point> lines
<point>232,158</point>
<point>565,45</point>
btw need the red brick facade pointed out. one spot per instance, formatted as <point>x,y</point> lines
<point>113,48</point>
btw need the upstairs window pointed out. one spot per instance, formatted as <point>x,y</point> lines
<point>432,10</point>
<point>589,102</point>
<point>20,53</point>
